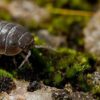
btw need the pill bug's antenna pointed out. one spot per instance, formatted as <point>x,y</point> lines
<point>25,59</point>
<point>45,47</point>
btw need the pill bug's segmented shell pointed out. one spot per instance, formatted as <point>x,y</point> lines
<point>13,38</point>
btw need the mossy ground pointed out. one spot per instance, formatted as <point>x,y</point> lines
<point>65,65</point>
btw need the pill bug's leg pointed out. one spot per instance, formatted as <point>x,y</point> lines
<point>25,59</point>
<point>14,61</point>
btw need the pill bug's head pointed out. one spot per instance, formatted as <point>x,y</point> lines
<point>26,41</point>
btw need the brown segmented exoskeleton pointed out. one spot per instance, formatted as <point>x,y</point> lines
<point>14,38</point>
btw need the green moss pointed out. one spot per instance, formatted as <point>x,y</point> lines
<point>4,73</point>
<point>51,69</point>
<point>89,76</point>
<point>65,64</point>
<point>83,83</point>
<point>39,41</point>
<point>96,91</point>
<point>76,69</point>
<point>57,79</point>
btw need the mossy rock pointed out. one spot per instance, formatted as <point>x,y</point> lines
<point>6,81</point>
<point>4,73</point>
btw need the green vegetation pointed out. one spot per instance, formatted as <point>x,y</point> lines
<point>96,90</point>
<point>4,73</point>
<point>39,41</point>
<point>64,65</point>
<point>6,81</point>
<point>70,64</point>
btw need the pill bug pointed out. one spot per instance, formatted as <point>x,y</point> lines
<point>14,38</point>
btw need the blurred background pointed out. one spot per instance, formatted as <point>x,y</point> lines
<point>58,23</point>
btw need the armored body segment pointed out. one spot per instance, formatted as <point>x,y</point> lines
<point>14,38</point>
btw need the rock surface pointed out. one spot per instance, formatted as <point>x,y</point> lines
<point>92,35</point>
<point>21,93</point>
<point>45,93</point>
